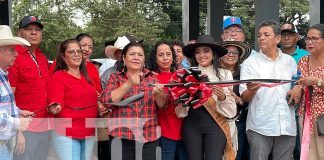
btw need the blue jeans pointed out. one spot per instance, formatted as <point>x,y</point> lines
<point>243,145</point>
<point>172,149</point>
<point>68,148</point>
<point>5,153</point>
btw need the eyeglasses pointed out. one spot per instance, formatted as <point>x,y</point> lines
<point>313,39</point>
<point>74,52</point>
<point>229,31</point>
<point>233,53</point>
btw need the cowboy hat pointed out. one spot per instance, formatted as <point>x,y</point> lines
<point>120,43</point>
<point>204,40</point>
<point>7,39</point>
<point>244,48</point>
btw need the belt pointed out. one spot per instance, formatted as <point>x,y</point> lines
<point>3,142</point>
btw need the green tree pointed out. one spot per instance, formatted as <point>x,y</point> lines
<point>109,19</point>
<point>293,11</point>
<point>153,20</point>
<point>56,16</point>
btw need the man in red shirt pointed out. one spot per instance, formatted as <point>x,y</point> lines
<point>28,78</point>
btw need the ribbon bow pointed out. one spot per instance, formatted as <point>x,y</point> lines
<point>191,93</point>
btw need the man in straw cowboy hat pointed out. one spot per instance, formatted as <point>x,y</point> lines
<point>11,118</point>
<point>271,124</point>
<point>110,48</point>
<point>28,78</point>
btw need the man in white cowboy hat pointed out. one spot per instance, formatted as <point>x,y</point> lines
<point>111,48</point>
<point>11,118</point>
<point>115,52</point>
<point>110,60</point>
<point>28,78</point>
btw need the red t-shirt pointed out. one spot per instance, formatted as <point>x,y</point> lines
<point>94,75</point>
<point>170,124</point>
<point>78,99</point>
<point>92,72</point>
<point>30,80</point>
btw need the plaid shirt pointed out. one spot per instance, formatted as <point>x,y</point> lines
<point>138,120</point>
<point>9,112</point>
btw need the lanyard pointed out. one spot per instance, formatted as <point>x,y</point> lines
<point>35,60</point>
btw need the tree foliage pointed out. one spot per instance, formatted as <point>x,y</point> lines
<point>289,11</point>
<point>56,17</point>
<point>295,11</point>
<point>115,18</point>
<point>153,20</point>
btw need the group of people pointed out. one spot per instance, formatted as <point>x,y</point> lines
<point>47,107</point>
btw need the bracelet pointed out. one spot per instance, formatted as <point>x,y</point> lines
<point>224,98</point>
<point>319,83</point>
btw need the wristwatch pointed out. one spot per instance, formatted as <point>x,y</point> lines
<point>319,83</point>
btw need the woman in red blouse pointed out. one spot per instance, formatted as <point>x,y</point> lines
<point>134,125</point>
<point>163,61</point>
<point>86,43</point>
<point>73,98</point>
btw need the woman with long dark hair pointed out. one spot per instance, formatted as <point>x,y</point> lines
<point>206,132</point>
<point>163,62</point>
<point>72,98</point>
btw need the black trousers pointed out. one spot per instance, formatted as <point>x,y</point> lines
<point>103,150</point>
<point>202,136</point>
<point>132,150</point>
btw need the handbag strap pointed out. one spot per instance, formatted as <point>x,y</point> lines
<point>307,121</point>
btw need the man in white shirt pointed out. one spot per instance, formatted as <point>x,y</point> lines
<point>271,124</point>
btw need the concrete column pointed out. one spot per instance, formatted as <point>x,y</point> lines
<point>315,13</point>
<point>265,10</point>
<point>185,21</point>
<point>190,20</point>
<point>5,12</point>
<point>215,13</point>
<point>193,19</point>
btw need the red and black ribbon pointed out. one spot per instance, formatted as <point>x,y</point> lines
<point>194,92</point>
